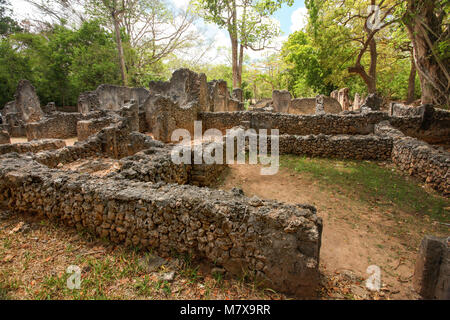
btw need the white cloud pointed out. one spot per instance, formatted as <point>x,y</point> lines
<point>181,4</point>
<point>299,19</point>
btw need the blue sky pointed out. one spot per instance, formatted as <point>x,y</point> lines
<point>284,15</point>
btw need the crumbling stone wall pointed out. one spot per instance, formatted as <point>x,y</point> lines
<point>34,146</point>
<point>220,100</point>
<point>115,141</point>
<point>281,100</point>
<point>49,108</point>
<point>432,270</point>
<point>279,243</point>
<point>14,124</point>
<point>4,137</point>
<point>418,158</point>
<point>294,124</point>
<point>343,98</point>
<point>359,147</point>
<point>177,104</point>
<point>164,116</point>
<point>27,102</point>
<point>87,128</point>
<point>308,105</point>
<point>110,97</point>
<point>424,122</point>
<point>58,125</point>
<point>114,97</point>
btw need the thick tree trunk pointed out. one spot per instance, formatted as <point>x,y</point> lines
<point>411,82</point>
<point>425,30</point>
<point>234,59</point>
<point>240,64</point>
<point>123,70</point>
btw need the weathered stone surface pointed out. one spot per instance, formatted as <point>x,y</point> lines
<point>373,102</point>
<point>4,137</point>
<point>278,243</point>
<point>294,124</point>
<point>281,100</point>
<point>10,107</point>
<point>130,111</point>
<point>34,146</point>
<point>87,128</point>
<point>88,102</point>
<point>49,108</point>
<point>304,106</point>
<point>418,158</point>
<point>343,98</point>
<point>238,94</point>
<point>361,147</point>
<point>27,102</point>
<point>319,105</point>
<point>176,107</point>
<point>218,96</point>
<point>58,125</point>
<point>357,102</point>
<point>110,97</point>
<point>431,274</point>
<point>186,88</point>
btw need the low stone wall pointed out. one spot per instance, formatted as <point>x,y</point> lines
<point>418,158</point>
<point>87,128</point>
<point>294,124</point>
<point>33,146</point>
<point>424,122</point>
<point>59,125</point>
<point>115,141</point>
<point>308,106</point>
<point>279,243</point>
<point>4,137</point>
<point>156,165</point>
<point>359,147</point>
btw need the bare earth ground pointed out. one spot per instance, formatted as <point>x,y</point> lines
<point>356,234</point>
<point>35,252</point>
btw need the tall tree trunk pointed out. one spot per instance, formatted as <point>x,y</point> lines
<point>123,69</point>
<point>240,64</point>
<point>424,26</point>
<point>233,31</point>
<point>411,82</point>
<point>234,58</point>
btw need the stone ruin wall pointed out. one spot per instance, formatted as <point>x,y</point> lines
<point>418,158</point>
<point>32,146</point>
<point>4,136</point>
<point>358,147</point>
<point>432,269</point>
<point>58,125</point>
<point>304,106</point>
<point>110,98</point>
<point>277,242</point>
<point>328,124</point>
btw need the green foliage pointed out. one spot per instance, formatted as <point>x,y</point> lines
<point>372,182</point>
<point>13,67</point>
<point>61,63</point>
<point>7,24</point>
<point>320,56</point>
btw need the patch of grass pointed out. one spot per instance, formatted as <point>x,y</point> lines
<point>369,181</point>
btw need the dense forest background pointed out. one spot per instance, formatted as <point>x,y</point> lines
<point>89,42</point>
